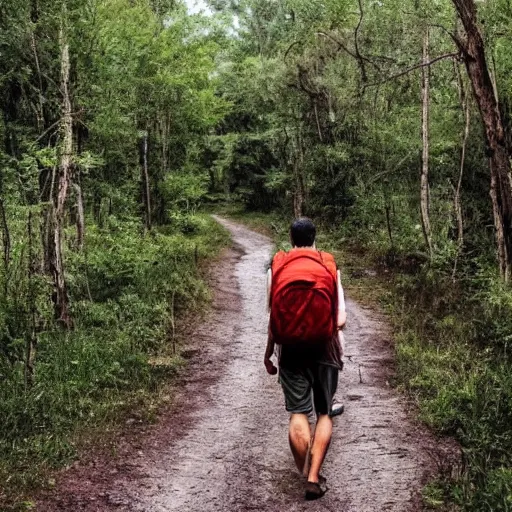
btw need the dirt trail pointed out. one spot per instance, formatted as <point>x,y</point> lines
<point>224,448</point>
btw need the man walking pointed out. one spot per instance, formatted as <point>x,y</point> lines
<point>307,313</point>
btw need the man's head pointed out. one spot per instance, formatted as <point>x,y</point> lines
<point>303,232</point>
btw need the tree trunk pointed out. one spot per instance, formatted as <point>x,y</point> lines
<point>47,196</point>
<point>464,103</point>
<point>31,338</point>
<point>6,238</point>
<point>387,209</point>
<point>298,165</point>
<point>298,197</point>
<point>145,181</point>
<point>60,297</point>
<point>40,104</point>
<point>165,131</point>
<point>424,186</point>
<point>80,215</point>
<point>473,52</point>
<point>500,234</point>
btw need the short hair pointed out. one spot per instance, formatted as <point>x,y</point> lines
<point>302,232</point>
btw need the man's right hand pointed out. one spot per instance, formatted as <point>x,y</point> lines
<point>269,365</point>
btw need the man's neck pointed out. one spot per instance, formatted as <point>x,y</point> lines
<point>309,247</point>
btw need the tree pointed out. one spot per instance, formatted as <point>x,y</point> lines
<point>473,52</point>
<point>425,108</point>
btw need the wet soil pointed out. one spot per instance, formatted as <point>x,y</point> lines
<point>223,445</point>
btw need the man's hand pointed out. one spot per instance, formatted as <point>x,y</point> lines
<point>271,369</point>
<point>269,365</point>
<point>341,339</point>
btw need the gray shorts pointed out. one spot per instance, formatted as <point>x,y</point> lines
<point>305,387</point>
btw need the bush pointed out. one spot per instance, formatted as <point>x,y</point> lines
<point>126,291</point>
<point>453,357</point>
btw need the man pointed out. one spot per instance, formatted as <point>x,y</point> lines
<point>308,373</point>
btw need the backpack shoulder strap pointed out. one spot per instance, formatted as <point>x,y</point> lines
<point>329,263</point>
<point>278,260</point>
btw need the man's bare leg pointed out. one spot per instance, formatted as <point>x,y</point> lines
<point>321,441</point>
<point>299,437</point>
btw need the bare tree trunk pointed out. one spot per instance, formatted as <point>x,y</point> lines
<point>166,129</point>
<point>298,197</point>
<point>473,51</point>
<point>31,339</point>
<point>6,237</point>
<point>388,224</point>
<point>80,215</point>
<point>145,182</point>
<point>60,299</point>
<point>424,186</point>
<point>360,59</point>
<point>40,108</point>
<point>47,214</point>
<point>300,188</point>
<point>315,107</point>
<point>500,235</point>
<point>457,206</point>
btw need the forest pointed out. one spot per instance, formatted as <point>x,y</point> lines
<point>125,122</point>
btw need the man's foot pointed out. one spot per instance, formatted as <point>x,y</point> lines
<point>315,490</point>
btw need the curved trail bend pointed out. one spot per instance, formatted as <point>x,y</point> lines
<point>225,447</point>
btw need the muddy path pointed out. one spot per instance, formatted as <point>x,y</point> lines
<point>223,446</point>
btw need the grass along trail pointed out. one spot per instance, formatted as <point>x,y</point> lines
<point>224,445</point>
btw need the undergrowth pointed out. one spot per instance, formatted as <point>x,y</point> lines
<point>453,338</point>
<point>453,357</point>
<point>128,293</point>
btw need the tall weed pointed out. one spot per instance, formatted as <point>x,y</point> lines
<point>127,293</point>
<point>453,357</point>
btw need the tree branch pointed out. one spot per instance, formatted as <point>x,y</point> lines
<point>339,43</point>
<point>356,45</point>
<point>452,55</point>
<point>290,48</point>
<point>342,46</point>
<point>454,37</point>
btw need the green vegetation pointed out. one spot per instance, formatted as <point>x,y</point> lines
<point>453,356</point>
<point>105,108</point>
<point>387,121</point>
<point>127,308</point>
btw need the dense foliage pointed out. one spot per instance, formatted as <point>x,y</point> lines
<point>388,121</point>
<point>105,106</point>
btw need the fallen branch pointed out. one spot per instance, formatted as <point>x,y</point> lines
<point>290,47</point>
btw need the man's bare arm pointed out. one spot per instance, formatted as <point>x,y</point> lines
<point>269,365</point>
<point>269,351</point>
<point>342,314</point>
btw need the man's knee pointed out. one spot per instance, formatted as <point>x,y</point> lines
<point>324,426</point>
<point>324,419</point>
<point>299,424</point>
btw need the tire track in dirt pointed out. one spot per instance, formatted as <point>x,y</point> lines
<point>225,448</point>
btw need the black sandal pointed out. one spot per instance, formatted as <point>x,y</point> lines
<point>314,490</point>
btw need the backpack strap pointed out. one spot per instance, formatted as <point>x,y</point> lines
<point>329,263</point>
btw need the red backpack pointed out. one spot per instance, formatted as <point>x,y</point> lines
<point>303,297</point>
